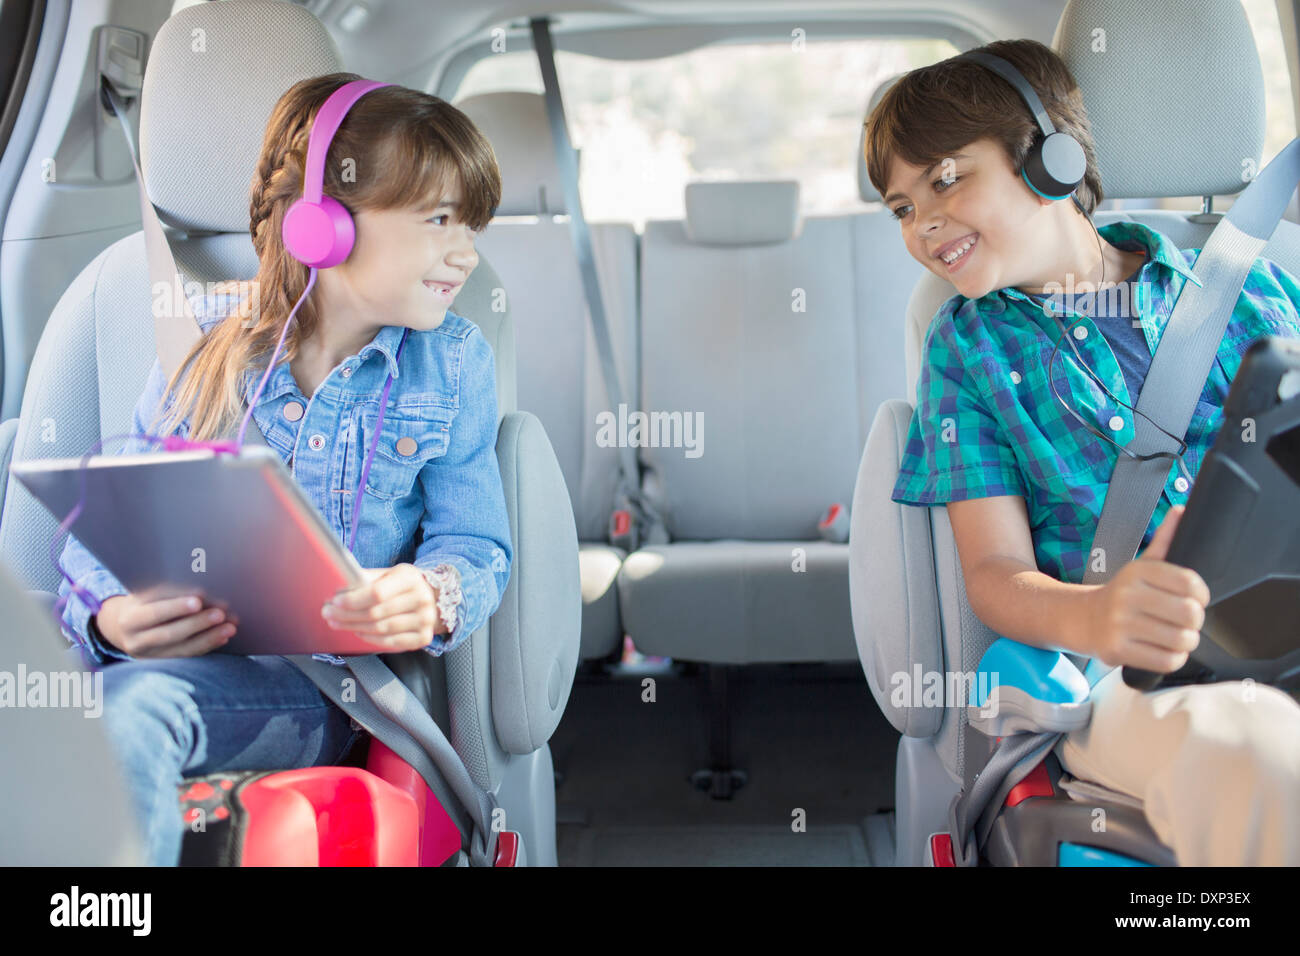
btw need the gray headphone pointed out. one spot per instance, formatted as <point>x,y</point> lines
<point>1055,164</point>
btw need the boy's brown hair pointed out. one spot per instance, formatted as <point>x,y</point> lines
<point>934,111</point>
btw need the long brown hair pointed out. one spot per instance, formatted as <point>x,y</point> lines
<point>934,111</point>
<point>396,147</point>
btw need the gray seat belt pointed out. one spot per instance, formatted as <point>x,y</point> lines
<point>388,710</point>
<point>647,524</point>
<point>1184,357</point>
<point>174,335</point>
<point>1173,383</point>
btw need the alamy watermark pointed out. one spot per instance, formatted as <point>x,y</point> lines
<point>922,688</point>
<point>1094,299</point>
<point>83,690</point>
<point>127,910</point>
<point>169,298</point>
<point>651,430</point>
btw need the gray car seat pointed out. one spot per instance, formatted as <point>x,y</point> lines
<point>909,601</point>
<point>560,377</point>
<point>772,331</point>
<point>500,695</point>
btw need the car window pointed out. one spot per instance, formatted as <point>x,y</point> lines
<point>771,110</point>
<point>1279,104</point>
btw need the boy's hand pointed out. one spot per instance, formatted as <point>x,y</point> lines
<point>397,609</point>
<point>1149,615</point>
<point>170,627</point>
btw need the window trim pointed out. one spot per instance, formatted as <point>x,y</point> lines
<point>635,42</point>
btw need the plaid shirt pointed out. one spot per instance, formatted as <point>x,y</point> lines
<point>986,422</point>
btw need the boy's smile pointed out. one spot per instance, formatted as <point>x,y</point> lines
<point>954,254</point>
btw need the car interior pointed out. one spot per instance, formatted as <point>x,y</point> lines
<point>718,692</point>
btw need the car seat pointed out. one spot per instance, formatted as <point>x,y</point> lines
<point>499,696</point>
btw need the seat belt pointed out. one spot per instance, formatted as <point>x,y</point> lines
<point>1173,383</point>
<point>388,710</point>
<point>1184,357</point>
<point>174,333</point>
<point>1181,366</point>
<point>647,524</point>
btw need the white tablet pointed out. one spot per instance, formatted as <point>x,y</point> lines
<point>236,529</point>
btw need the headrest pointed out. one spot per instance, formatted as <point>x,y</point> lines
<point>867,191</point>
<point>517,127</point>
<point>742,214</point>
<point>214,74</point>
<point>1166,121</point>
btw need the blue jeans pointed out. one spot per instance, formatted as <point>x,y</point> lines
<point>188,716</point>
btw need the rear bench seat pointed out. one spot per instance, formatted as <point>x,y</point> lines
<point>780,333</point>
<point>783,341</point>
<point>559,374</point>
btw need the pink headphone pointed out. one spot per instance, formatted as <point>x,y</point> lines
<point>317,230</point>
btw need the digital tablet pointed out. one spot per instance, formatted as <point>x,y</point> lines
<point>1241,529</point>
<point>236,529</point>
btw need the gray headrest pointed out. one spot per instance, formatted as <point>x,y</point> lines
<point>1175,96</point>
<point>516,126</point>
<point>214,74</point>
<point>867,191</point>
<point>742,214</point>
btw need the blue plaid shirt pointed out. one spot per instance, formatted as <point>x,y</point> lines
<point>440,504</point>
<point>986,422</point>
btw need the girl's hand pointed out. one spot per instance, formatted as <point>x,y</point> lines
<point>167,627</point>
<point>397,609</point>
<point>1149,615</point>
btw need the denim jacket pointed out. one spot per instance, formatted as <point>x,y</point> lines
<point>442,504</point>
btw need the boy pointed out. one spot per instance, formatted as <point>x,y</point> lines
<point>1024,481</point>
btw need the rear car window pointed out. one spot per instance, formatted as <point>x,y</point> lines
<point>771,110</point>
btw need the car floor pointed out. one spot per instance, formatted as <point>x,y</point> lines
<point>809,736</point>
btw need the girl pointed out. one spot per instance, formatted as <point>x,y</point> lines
<point>371,333</point>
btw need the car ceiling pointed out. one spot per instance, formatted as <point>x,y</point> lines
<point>412,41</point>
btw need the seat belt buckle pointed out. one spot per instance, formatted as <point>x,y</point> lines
<point>941,850</point>
<point>834,526</point>
<point>507,849</point>
<point>621,529</point>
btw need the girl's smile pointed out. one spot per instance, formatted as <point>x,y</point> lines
<point>445,292</point>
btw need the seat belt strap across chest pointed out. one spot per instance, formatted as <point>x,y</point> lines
<point>1183,358</point>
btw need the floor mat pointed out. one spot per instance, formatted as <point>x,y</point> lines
<point>810,738</point>
<point>738,845</point>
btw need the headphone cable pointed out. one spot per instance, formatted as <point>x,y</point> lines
<point>1182,450</point>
